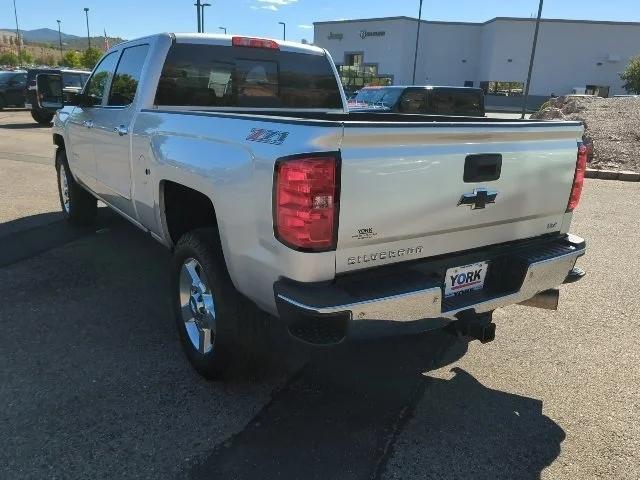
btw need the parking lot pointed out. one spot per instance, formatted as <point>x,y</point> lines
<point>94,384</point>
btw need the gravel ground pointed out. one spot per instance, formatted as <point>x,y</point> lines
<point>612,124</point>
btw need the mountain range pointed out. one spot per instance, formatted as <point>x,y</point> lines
<point>49,35</point>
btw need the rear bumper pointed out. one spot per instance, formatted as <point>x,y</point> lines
<point>413,291</point>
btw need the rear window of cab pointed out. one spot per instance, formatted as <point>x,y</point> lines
<point>220,76</point>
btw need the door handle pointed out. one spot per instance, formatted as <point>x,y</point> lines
<point>87,123</point>
<point>121,130</point>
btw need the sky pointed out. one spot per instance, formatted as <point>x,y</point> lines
<point>135,18</point>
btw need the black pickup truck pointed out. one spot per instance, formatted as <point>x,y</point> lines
<point>430,100</point>
<point>73,81</point>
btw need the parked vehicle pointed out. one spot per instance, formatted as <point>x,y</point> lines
<point>429,100</point>
<point>73,81</point>
<point>241,156</point>
<point>12,85</point>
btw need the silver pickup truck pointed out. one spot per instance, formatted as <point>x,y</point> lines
<point>241,156</point>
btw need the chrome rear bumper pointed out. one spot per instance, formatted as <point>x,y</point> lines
<point>414,291</point>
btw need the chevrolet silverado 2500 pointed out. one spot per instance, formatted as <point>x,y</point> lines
<point>241,156</point>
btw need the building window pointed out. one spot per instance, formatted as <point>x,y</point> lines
<point>597,90</point>
<point>353,59</point>
<point>468,83</point>
<point>502,88</point>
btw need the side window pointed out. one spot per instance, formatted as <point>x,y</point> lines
<point>127,76</point>
<point>414,101</point>
<point>95,89</point>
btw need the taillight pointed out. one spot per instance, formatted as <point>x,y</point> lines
<point>254,43</point>
<point>578,178</point>
<point>305,202</point>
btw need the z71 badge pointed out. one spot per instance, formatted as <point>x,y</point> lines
<point>272,137</point>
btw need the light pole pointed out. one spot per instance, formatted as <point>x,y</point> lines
<point>197,4</point>
<point>415,56</point>
<point>15,13</point>
<point>60,37</point>
<point>284,30</point>
<point>202,15</point>
<point>533,54</point>
<point>86,14</point>
<point>224,29</point>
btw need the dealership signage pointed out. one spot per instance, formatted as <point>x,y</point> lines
<point>335,36</point>
<point>365,33</point>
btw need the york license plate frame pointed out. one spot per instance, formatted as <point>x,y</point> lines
<point>465,278</point>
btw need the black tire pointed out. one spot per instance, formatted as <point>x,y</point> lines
<point>82,206</point>
<point>241,330</point>
<point>3,102</point>
<point>42,117</point>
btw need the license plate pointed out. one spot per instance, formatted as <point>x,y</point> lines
<point>465,279</point>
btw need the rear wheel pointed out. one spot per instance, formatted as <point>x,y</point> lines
<point>3,102</point>
<point>218,328</point>
<point>78,205</point>
<point>42,117</point>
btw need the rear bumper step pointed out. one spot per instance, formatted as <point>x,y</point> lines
<point>413,292</point>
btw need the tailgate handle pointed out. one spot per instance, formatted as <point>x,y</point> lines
<point>482,167</point>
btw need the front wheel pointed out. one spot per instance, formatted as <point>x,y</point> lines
<point>78,205</point>
<point>42,117</point>
<point>215,323</point>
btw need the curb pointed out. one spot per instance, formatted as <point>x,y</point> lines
<point>624,175</point>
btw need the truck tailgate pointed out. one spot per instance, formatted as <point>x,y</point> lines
<point>402,185</point>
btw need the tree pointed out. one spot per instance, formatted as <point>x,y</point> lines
<point>26,57</point>
<point>631,76</point>
<point>45,60</point>
<point>8,58</point>
<point>71,59</point>
<point>90,57</point>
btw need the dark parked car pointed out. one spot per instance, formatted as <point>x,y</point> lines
<point>12,85</point>
<point>430,100</point>
<point>73,82</point>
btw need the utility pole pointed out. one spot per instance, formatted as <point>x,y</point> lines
<point>284,30</point>
<point>533,54</point>
<point>86,13</point>
<point>202,15</point>
<point>197,4</point>
<point>15,13</point>
<point>223,28</point>
<point>60,38</point>
<point>415,56</point>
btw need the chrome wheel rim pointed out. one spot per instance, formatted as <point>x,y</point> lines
<point>64,188</point>
<point>197,306</point>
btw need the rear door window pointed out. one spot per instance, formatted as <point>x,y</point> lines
<point>414,101</point>
<point>72,80</point>
<point>127,77</point>
<point>219,76</point>
<point>455,102</point>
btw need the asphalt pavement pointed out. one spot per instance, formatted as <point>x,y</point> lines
<point>94,385</point>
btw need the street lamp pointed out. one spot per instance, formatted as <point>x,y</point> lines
<point>533,54</point>
<point>415,56</point>
<point>223,28</point>
<point>284,30</point>
<point>202,15</point>
<point>197,5</point>
<point>15,12</point>
<point>86,14</point>
<point>60,37</point>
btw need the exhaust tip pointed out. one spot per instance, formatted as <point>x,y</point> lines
<point>547,300</point>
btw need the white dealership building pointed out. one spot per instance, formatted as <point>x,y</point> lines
<point>582,54</point>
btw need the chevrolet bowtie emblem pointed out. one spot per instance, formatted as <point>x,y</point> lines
<point>479,198</point>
